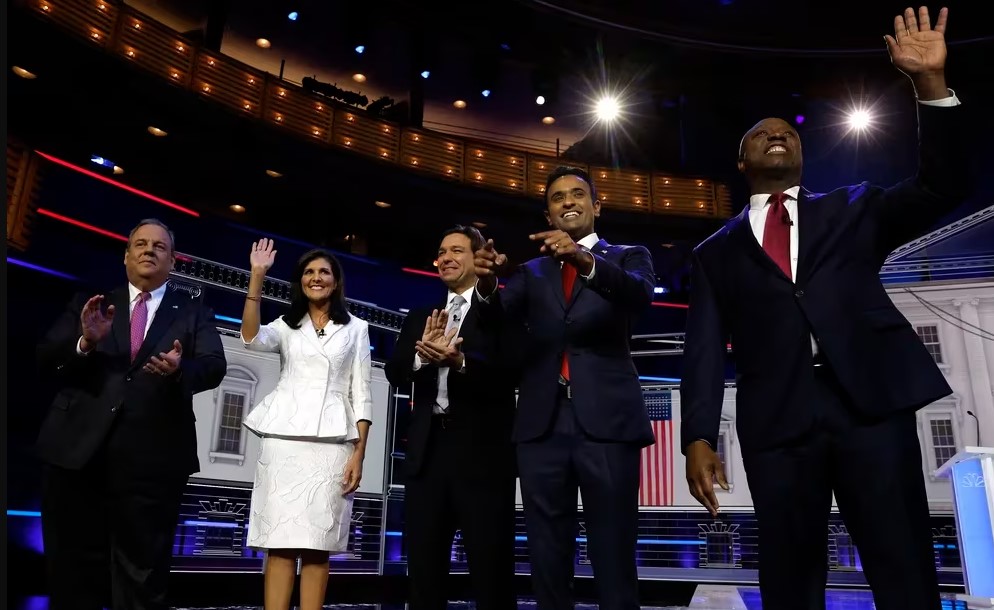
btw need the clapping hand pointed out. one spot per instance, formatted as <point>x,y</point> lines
<point>166,363</point>
<point>263,256</point>
<point>94,322</point>
<point>444,352</point>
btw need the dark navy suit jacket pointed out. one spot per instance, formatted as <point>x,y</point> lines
<point>595,328</point>
<point>738,292</point>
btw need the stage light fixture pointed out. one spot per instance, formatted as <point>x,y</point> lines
<point>607,109</point>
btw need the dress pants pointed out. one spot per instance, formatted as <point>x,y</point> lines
<point>458,487</point>
<point>108,535</point>
<point>874,467</point>
<point>552,468</point>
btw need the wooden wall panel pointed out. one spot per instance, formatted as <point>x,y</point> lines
<point>622,189</point>
<point>156,48</point>
<point>367,136</point>
<point>499,168</point>
<point>297,110</point>
<point>91,19</point>
<point>432,152</point>
<point>230,83</point>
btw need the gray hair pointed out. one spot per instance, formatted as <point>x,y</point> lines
<point>158,223</point>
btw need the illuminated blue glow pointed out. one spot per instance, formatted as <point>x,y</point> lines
<point>196,523</point>
<point>293,16</point>
<point>32,266</point>
<point>663,379</point>
<point>23,513</point>
<point>425,74</point>
<point>227,319</point>
<point>359,49</point>
<point>666,541</point>
<point>973,523</point>
<point>485,93</point>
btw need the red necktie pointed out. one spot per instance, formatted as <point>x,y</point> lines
<point>569,277</point>
<point>776,234</point>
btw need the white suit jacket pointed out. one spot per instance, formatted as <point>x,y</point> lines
<point>324,386</point>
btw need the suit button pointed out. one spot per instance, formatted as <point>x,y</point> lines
<point>799,294</point>
<point>128,378</point>
<point>569,320</point>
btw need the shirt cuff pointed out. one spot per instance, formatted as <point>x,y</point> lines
<point>485,299</point>
<point>417,363</point>
<point>79,347</point>
<point>593,270</point>
<point>946,102</point>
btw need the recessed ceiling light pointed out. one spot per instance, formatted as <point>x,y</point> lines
<point>382,204</point>
<point>18,70</point>
<point>359,78</point>
<point>118,170</point>
<point>155,131</point>
<point>272,173</point>
<point>548,120</point>
<point>460,104</point>
<point>237,208</point>
<point>479,225</point>
<point>667,245</point>
<point>262,43</point>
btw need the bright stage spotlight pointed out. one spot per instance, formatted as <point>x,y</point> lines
<point>859,119</point>
<point>607,109</point>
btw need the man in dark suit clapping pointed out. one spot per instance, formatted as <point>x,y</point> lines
<point>829,373</point>
<point>119,441</point>
<point>581,421</point>
<point>459,458</point>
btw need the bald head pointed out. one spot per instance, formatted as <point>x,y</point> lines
<point>771,151</point>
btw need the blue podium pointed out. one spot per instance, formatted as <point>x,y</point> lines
<point>971,473</point>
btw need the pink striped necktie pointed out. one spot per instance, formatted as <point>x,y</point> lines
<point>138,319</point>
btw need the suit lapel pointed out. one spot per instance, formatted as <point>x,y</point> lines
<point>121,326</point>
<point>310,334</point>
<point>171,303</point>
<point>741,231</point>
<point>553,272</point>
<point>809,225</point>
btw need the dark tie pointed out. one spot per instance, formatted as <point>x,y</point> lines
<point>776,235</point>
<point>569,277</point>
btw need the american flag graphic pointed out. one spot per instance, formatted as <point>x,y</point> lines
<point>656,476</point>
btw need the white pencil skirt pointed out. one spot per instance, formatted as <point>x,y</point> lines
<point>297,500</point>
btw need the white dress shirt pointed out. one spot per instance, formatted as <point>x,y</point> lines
<point>442,398</point>
<point>152,305</point>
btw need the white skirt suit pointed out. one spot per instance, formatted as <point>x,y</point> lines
<point>308,430</point>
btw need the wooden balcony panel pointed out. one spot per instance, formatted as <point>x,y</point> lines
<point>623,189</point>
<point>297,110</point>
<point>371,137</point>
<point>230,83</point>
<point>90,19</point>
<point>431,152</point>
<point>725,205</point>
<point>23,185</point>
<point>495,167</point>
<point>539,168</point>
<point>155,47</point>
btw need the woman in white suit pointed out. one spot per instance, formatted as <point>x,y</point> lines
<point>313,425</point>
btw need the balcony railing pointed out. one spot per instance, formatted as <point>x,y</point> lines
<point>242,89</point>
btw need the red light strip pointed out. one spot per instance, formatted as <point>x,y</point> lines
<point>119,185</point>
<point>673,305</point>
<point>419,272</point>
<point>98,230</point>
<point>82,225</point>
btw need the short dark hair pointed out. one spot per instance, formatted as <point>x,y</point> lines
<point>476,240</point>
<point>158,223</point>
<point>569,170</point>
<point>338,310</point>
